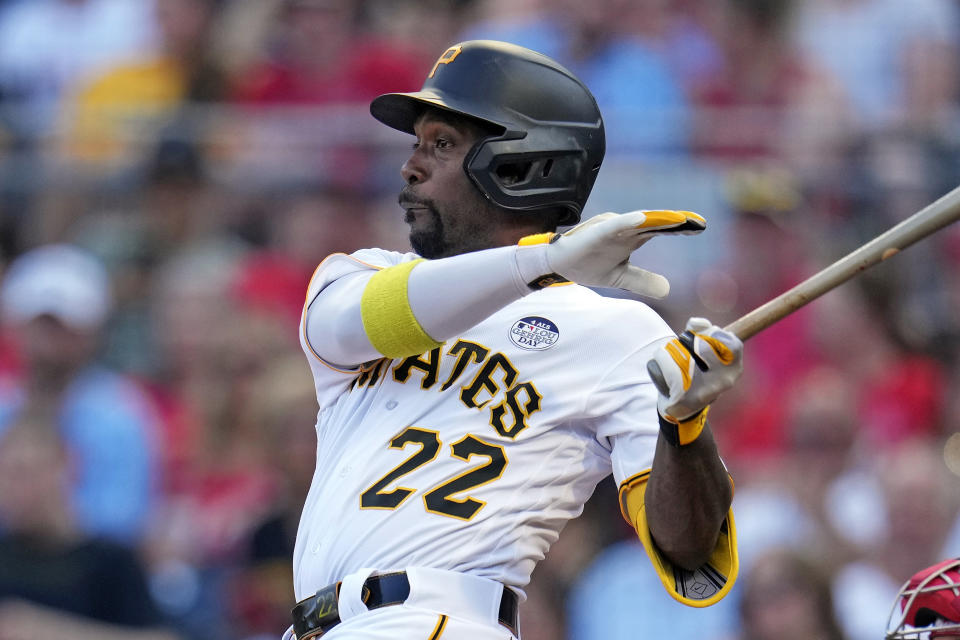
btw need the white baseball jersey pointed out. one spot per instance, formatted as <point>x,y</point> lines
<point>473,456</point>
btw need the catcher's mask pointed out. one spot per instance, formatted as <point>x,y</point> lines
<point>548,139</point>
<point>928,605</point>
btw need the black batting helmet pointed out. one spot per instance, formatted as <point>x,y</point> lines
<point>549,141</point>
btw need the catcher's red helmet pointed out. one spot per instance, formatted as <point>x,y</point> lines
<point>928,605</point>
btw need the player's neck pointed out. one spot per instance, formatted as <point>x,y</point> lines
<point>508,236</point>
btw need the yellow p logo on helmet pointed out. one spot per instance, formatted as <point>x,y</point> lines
<point>447,57</point>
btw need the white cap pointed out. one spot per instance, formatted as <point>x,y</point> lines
<point>60,280</point>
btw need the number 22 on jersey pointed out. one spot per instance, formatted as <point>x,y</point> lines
<point>438,499</point>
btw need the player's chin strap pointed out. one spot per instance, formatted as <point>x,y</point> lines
<point>705,585</point>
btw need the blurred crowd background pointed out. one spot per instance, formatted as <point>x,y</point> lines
<point>172,171</point>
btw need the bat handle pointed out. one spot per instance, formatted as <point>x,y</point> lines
<point>657,376</point>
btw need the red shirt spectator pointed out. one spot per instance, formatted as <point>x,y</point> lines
<point>321,60</point>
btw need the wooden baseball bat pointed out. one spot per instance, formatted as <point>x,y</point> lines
<point>928,220</point>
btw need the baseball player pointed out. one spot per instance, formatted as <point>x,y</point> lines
<point>473,393</point>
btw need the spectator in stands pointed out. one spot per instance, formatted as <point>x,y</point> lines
<point>215,456</point>
<point>305,226</point>
<point>787,597</point>
<point>896,61</point>
<point>110,115</point>
<point>524,22</point>
<point>55,580</point>
<point>548,607</point>
<point>647,116</point>
<point>221,480</point>
<point>768,205</point>
<point>177,208</point>
<point>892,174</point>
<point>242,33</point>
<point>48,47</point>
<point>174,206</point>
<point>921,505</point>
<point>900,392</point>
<point>56,299</point>
<point>613,600</point>
<point>283,397</point>
<point>684,32</point>
<point>418,28</point>
<point>319,60</point>
<point>818,493</point>
<point>766,103</point>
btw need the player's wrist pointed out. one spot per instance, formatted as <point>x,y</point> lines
<point>681,432</point>
<point>532,262</point>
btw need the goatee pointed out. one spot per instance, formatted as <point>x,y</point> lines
<point>427,241</point>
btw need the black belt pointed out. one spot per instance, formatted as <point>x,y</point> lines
<point>317,614</point>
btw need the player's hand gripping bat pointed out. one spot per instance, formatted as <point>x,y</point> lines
<point>928,220</point>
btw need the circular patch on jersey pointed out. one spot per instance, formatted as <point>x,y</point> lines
<point>534,333</point>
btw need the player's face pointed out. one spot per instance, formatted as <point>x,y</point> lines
<point>447,214</point>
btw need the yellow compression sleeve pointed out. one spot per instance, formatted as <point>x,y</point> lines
<point>388,320</point>
<point>701,587</point>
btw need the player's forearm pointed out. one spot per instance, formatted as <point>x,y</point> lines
<point>444,298</point>
<point>687,498</point>
<point>450,295</point>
